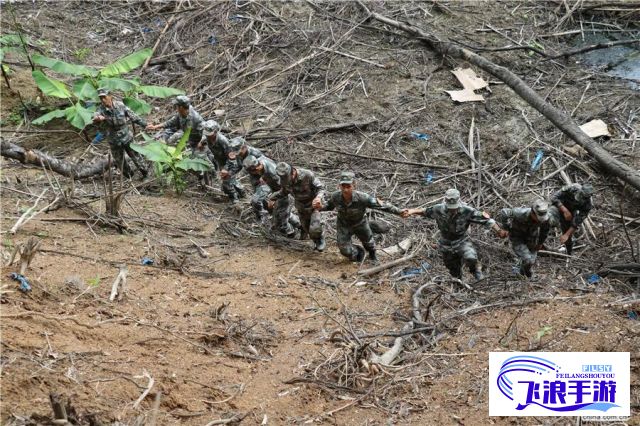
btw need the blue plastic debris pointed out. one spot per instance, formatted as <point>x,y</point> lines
<point>422,136</point>
<point>146,30</point>
<point>236,18</point>
<point>428,177</point>
<point>594,278</point>
<point>147,261</point>
<point>633,315</point>
<point>98,138</point>
<point>537,160</point>
<point>159,22</point>
<point>414,272</point>
<point>24,283</point>
<point>212,40</point>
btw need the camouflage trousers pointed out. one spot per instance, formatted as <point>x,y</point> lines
<point>454,253</point>
<point>527,254</point>
<point>310,221</point>
<point>205,155</point>
<point>232,188</point>
<point>361,230</point>
<point>284,220</point>
<point>118,152</point>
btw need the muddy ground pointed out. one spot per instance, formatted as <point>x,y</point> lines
<point>229,324</point>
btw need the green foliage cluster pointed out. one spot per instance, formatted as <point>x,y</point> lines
<point>86,81</point>
<point>170,162</point>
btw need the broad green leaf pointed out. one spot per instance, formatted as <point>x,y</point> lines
<point>50,86</point>
<point>56,113</point>
<point>153,151</point>
<point>182,143</point>
<point>138,106</point>
<point>84,89</point>
<point>146,137</point>
<point>63,67</point>
<point>10,39</point>
<point>79,116</point>
<point>126,64</point>
<point>160,91</point>
<point>119,84</point>
<point>196,164</point>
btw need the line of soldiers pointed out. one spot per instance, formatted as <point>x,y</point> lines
<point>277,188</point>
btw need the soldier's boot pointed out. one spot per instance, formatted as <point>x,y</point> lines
<point>357,254</point>
<point>526,271</point>
<point>477,274</point>
<point>456,273</point>
<point>569,246</point>
<point>320,244</point>
<point>372,256</point>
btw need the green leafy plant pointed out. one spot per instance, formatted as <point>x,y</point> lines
<point>9,43</point>
<point>82,53</point>
<point>82,90</point>
<point>169,161</point>
<point>94,282</point>
<point>543,332</point>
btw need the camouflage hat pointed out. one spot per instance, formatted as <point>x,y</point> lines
<point>182,101</point>
<point>283,169</point>
<point>236,143</point>
<point>586,190</point>
<point>541,209</point>
<point>250,162</point>
<point>103,91</point>
<point>210,127</point>
<point>452,198</point>
<point>347,178</point>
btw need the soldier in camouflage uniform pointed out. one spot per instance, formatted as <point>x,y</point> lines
<point>305,188</point>
<point>115,116</point>
<point>233,166</point>
<point>265,180</point>
<point>570,207</point>
<point>186,117</point>
<point>217,142</point>
<point>351,206</point>
<point>453,219</point>
<point>528,229</point>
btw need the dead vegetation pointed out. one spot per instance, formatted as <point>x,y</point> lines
<point>324,86</point>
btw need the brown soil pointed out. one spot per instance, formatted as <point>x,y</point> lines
<point>245,330</point>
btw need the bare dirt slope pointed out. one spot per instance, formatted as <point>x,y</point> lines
<point>230,323</point>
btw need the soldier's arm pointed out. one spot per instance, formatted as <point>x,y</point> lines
<point>581,214</point>
<point>317,186</point>
<point>556,197</point>
<point>483,218</point>
<point>376,204</point>
<point>503,218</point>
<point>171,123</point>
<point>135,117</point>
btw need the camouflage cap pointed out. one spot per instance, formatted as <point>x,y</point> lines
<point>283,169</point>
<point>347,178</point>
<point>250,162</point>
<point>210,127</point>
<point>541,209</point>
<point>182,101</point>
<point>586,190</point>
<point>103,91</point>
<point>236,142</point>
<point>452,198</point>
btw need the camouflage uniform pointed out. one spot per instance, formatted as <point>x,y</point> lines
<point>304,188</point>
<point>454,244</point>
<point>177,125</point>
<point>284,220</point>
<point>525,234</point>
<point>578,201</point>
<point>204,153</point>
<point>230,184</point>
<point>220,148</point>
<point>352,220</point>
<point>120,136</point>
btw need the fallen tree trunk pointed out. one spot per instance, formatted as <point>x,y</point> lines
<point>63,167</point>
<point>561,120</point>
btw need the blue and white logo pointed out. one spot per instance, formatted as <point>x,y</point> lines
<point>559,384</point>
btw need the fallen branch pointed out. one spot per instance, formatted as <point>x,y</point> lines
<point>63,167</point>
<point>308,132</point>
<point>379,268</point>
<point>388,357</point>
<point>147,390</point>
<point>561,120</point>
<point>119,284</point>
<point>593,47</point>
